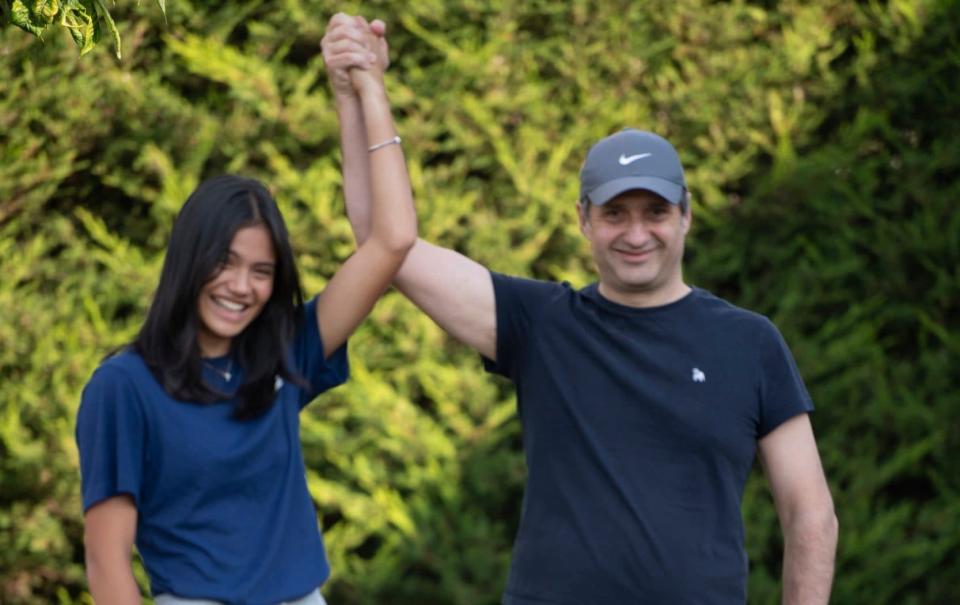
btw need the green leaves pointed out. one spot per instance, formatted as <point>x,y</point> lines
<point>81,20</point>
<point>108,19</point>
<point>85,20</point>
<point>24,18</point>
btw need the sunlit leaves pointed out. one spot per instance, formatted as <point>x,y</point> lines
<point>81,20</point>
<point>85,20</point>
<point>23,17</point>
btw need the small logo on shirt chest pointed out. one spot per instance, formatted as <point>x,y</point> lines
<point>697,375</point>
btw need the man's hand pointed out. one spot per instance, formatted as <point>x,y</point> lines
<point>351,44</point>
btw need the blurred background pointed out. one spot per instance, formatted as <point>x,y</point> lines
<point>822,143</point>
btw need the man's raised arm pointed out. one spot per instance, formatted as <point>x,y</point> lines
<point>455,291</point>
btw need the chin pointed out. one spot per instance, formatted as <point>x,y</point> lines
<point>634,283</point>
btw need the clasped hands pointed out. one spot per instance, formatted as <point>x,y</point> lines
<point>355,53</point>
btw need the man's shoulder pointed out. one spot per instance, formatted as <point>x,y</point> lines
<point>724,310</point>
<point>726,320</point>
<point>531,289</point>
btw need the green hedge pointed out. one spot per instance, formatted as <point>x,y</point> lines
<point>822,147</point>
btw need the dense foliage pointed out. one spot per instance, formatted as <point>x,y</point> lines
<point>823,151</point>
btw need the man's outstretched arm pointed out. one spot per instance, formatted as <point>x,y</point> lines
<point>805,508</point>
<point>455,291</point>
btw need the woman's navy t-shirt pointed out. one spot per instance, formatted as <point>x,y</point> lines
<point>223,507</point>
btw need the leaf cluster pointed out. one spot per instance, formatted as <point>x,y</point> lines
<point>85,20</point>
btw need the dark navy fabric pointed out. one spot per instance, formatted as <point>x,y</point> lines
<point>223,507</point>
<point>640,426</point>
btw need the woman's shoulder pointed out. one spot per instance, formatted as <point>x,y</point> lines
<point>122,371</point>
<point>123,364</point>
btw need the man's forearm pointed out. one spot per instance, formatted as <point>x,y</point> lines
<point>810,545</point>
<point>356,165</point>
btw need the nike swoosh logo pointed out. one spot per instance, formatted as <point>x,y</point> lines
<point>624,159</point>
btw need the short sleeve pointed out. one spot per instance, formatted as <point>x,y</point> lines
<point>782,392</point>
<point>322,374</point>
<point>110,434</point>
<point>518,302</point>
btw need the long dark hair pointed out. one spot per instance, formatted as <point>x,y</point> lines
<point>199,243</point>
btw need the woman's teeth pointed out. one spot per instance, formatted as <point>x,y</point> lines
<point>230,306</point>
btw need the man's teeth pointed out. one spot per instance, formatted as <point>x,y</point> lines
<point>226,304</point>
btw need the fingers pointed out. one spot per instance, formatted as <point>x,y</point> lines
<point>349,60</point>
<point>346,32</point>
<point>357,27</point>
<point>346,45</point>
<point>346,54</point>
<point>339,20</point>
<point>361,23</point>
<point>352,41</point>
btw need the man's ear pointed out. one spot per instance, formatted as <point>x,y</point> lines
<point>583,219</point>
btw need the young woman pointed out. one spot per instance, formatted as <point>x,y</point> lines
<point>189,437</point>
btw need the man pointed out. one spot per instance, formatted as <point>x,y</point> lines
<point>643,400</point>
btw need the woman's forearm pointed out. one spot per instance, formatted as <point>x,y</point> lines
<point>112,582</point>
<point>393,220</point>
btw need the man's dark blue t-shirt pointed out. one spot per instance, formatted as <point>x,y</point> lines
<point>640,428</point>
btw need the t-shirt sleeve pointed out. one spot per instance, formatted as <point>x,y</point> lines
<point>782,392</point>
<point>518,302</point>
<point>110,434</point>
<point>321,374</point>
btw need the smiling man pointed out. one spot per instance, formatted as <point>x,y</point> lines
<point>644,401</point>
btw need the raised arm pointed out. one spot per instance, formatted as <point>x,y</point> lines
<point>361,280</point>
<point>455,291</point>
<point>805,508</point>
<point>344,46</point>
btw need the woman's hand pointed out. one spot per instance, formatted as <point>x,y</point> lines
<point>350,46</point>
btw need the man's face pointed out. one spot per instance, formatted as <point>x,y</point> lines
<point>637,243</point>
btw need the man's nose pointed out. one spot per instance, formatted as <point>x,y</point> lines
<point>637,233</point>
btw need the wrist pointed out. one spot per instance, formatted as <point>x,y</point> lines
<point>345,98</point>
<point>373,93</point>
<point>367,84</point>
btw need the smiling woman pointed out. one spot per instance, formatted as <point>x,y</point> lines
<point>237,293</point>
<point>188,437</point>
<point>229,285</point>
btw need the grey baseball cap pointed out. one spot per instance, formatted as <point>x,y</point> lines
<point>632,159</point>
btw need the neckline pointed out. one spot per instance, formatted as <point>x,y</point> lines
<point>221,366</point>
<point>593,293</point>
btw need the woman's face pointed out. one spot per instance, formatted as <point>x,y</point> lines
<point>237,291</point>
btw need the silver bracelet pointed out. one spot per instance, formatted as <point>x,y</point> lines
<point>394,141</point>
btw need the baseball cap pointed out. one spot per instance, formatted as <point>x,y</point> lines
<point>632,159</point>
